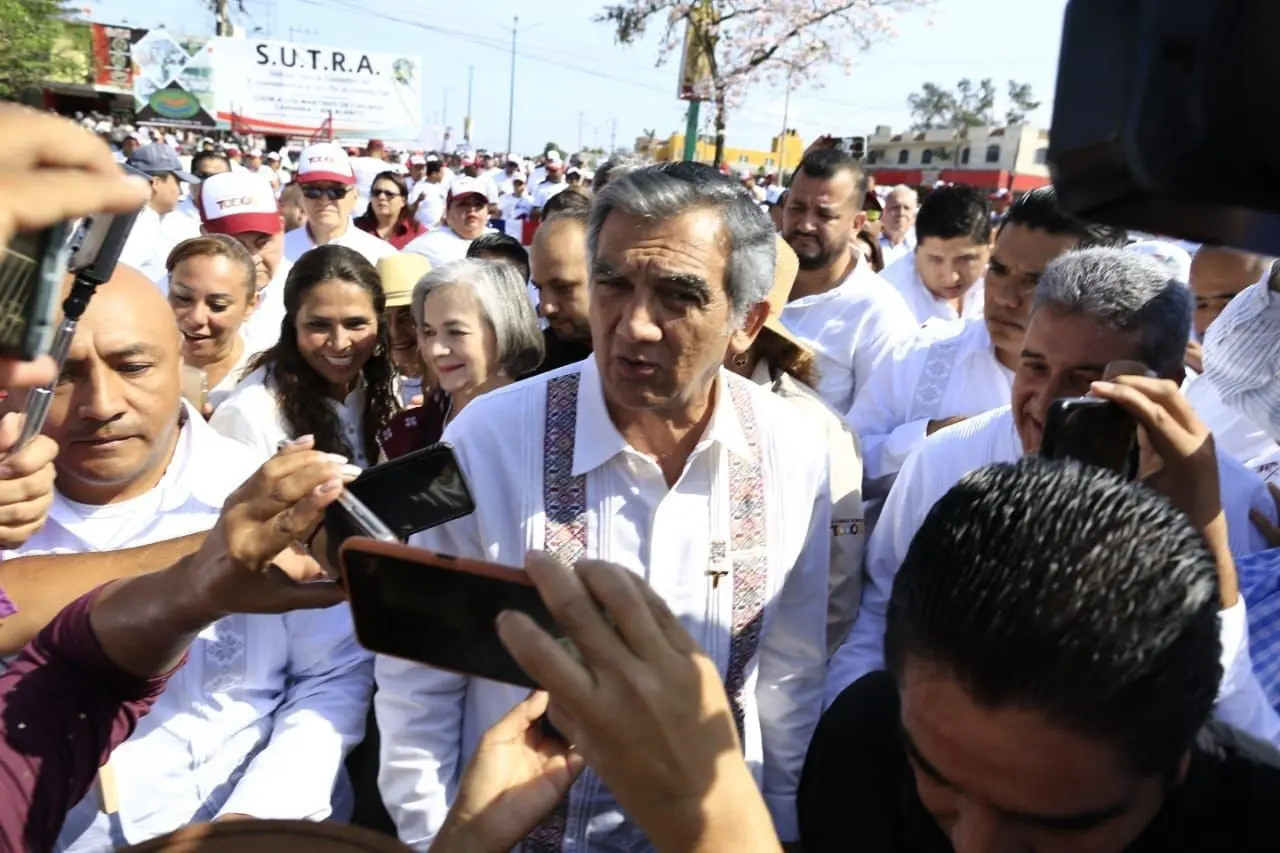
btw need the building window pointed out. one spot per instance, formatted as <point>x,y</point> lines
<point>768,163</point>
<point>926,157</point>
<point>903,157</point>
<point>1042,156</point>
<point>993,153</point>
<point>964,157</point>
<point>743,160</point>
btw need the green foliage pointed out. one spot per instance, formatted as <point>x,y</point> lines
<point>968,105</point>
<point>29,32</point>
<point>1021,103</point>
<point>551,146</point>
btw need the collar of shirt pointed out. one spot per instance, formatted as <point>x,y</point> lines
<point>196,472</point>
<point>598,440</point>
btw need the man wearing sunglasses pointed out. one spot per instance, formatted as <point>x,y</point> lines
<point>328,198</point>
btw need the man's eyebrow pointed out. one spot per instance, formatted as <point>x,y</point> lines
<point>1030,353</point>
<point>604,269</point>
<point>134,350</point>
<point>914,752</point>
<point>695,285</point>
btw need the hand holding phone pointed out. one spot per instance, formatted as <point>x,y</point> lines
<point>1092,431</point>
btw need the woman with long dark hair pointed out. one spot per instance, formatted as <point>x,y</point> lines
<point>331,374</point>
<point>389,215</point>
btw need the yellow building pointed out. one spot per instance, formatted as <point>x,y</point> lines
<point>792,149</point>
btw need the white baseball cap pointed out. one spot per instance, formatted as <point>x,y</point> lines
<point>235,202</point>
<point>417,160</point>
<point>256,152</point>
<point>466,186</point>
<point>325,161</point>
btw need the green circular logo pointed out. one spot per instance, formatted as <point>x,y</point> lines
<point>175,103</point>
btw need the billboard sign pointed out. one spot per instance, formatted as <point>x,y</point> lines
<point>285,87</point>
<point>173,79</point>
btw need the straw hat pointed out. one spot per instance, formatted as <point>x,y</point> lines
<point>399,273</point>
<point>784,277</point>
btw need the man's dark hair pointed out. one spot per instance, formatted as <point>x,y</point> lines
<point>1062,588</point>
<point>200,157</point>
<point>955,211</point>
<point>434,167</point>
<point>826,163</point>
<point>494,245</point>
<point>570,199</point>
<point>1039,210</point>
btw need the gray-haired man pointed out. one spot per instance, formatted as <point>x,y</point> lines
<point>651,455</point>
<point>1092,308</point>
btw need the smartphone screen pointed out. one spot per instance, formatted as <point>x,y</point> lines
<point>32,268</point>
<point>438,610</point>
<point>413,493</point>
<point>1095,432</point>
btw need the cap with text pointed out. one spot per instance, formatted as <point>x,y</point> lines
<point>236,202</point>
<point>325,161</point>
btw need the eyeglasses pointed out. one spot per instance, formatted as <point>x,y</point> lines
<point>333,193</point>
<point>385,194</point>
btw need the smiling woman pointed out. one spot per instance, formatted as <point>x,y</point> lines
<point>331,377</point>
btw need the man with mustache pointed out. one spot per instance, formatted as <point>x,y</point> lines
<point>966,368</point>
<point>259,720</point>
<point>1091,309</point>
<point>851,316</point>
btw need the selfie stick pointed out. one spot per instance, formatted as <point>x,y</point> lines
<point>94,263</point>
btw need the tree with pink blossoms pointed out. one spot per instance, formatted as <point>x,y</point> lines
<point>749,42</point>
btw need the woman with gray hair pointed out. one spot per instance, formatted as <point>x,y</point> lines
<point>476,333</point>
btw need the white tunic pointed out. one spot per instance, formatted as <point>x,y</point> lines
<point>299,241</point>
<point>251,415</point>
<point>942,461</point>
<point>1242,354</point>
<point>892,253</point>
<point>1233,433</point>
<point>850,327</point>
<point>430,720</point>
<point>955,374</point>
<point>260,718</point>
<point>923,304</point>
<point>151,240</point>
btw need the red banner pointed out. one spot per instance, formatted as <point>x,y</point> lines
<point>112,56</point>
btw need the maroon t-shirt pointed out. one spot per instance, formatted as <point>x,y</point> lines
<point>64,706</point>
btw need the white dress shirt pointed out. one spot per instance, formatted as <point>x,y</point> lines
<point>892,252</point>
<point>259,719</point>
<point>434,198</point>
<point>1242,355</point>
<point>152,239</point>
<point>251,415</point>
<point>431,720</point>
<point>924,305</point>
<point>546,191</point>
<point>299,241</point>
<point>850,327</point>
<point>942,461</point>
<point>955,374</point>
<point>1233,433</point>
<point>262,330</point>
<point>220,392</point>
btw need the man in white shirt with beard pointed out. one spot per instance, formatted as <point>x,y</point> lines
<point>259,719</point>
<point>1092,308</point>
<point>652,454</point>
<point>329,196</point>
<point>942,278</point>
<point>965,368</point>
<point>466,218</point>
<point>851,316</point>
<point>243,206</point>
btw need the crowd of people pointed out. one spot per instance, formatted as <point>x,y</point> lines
<point>770,455</point>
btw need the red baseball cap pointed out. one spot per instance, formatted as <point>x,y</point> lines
<point>236,202</point>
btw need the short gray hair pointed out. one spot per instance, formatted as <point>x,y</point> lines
<point>1127,291</point>
<point>504,303</point>
<point>612,169</point>
<point>671,189</point>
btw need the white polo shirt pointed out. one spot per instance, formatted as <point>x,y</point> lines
<point>299,241</point>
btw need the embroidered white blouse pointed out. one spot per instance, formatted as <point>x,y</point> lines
<point>955,374</point>
<point>430,720</point>
<point>849,328</point>
<point>942,461</point>
<point>262,715</point>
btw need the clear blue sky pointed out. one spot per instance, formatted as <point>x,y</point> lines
<point>570,73</point>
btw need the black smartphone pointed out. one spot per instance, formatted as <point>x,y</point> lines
<point>1095,432</point>
<point>416,492</point>
<point>32,270</point>
<point>438,609</point>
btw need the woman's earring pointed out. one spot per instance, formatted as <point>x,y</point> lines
<point>740,360</point>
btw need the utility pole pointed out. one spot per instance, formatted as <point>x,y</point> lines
<point>221,26</point>
<point>613,138</point>
<point>444,121</point>
<point>581,115</point>
<point>466,126</point>
<point>511,103</point>
<point>782,140</point>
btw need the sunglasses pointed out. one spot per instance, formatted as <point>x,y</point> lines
<point>333,193</point>
<point>386,194</point>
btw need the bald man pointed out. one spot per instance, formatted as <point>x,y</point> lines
<point>898,228</point>
<point>260,719</point>
<point>1217,275</point>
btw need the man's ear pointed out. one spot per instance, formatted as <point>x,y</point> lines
<point>745,335</point>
